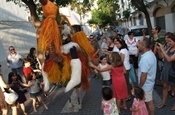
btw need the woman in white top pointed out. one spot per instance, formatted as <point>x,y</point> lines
<point>15,62</point>
<point>124,53</point>
<point>3,104</point>
<point>133,50</point>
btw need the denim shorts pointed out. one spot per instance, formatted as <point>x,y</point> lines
<point>107,82</point>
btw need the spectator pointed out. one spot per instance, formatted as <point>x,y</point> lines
<point>28,70</point>
<point>118,79</point>
<point>3,104</point>
<point>106,74</point>
<point>96,46</point>
<point>138,106</point>
<point>35,91</point>
<point>33,59</point>
<point>147,72</point>
<point>157,39</point>
<point>133,50</point>
<point>17,86</point>
<point>104,45</point>
<point>124,53</point>
<point>15,62</point>
<point>115,33</point>
<point>169,58</point>
<point>109,103</point>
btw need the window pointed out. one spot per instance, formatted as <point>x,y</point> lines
<point>138,32</point>
<point>161,22</point>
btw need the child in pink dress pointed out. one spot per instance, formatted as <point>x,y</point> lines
<point>138,106</point>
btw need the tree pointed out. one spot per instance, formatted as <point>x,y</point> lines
<point>34,8</point>
<point>126,14</point>
<point>81,7</point>
<point>105,13</point>
<point>141,6</point>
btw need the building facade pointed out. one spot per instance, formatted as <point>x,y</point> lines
<point>162,13</point>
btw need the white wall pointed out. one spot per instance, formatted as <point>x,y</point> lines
<point>21,35</point>
<point>170,22</point>
<point>11,12</point>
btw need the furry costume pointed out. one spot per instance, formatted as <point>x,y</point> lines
<point>67,63</point>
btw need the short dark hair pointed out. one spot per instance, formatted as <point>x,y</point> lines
<point>169,34</point>
<point>147,42</point>
<point>139,93</point>
<point>30,77</point>
<point>107,93</point>
<point>130,32</point>
<point>102,57</point>
<point>158,28</point>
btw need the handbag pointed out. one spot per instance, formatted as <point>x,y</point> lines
<point>10,96</point>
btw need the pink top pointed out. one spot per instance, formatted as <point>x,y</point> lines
<point>140,105</point>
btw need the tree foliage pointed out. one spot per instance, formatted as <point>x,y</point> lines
<point>105,13</point>
<point>141,6</point>
<point>126,13</point>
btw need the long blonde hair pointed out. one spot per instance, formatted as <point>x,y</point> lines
<point>116,59</point>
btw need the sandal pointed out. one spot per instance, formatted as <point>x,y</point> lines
<point>161,106</point>
<point>173,108</point>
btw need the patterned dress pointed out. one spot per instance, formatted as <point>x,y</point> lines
<point>140,104</point>
<point>110,108</point>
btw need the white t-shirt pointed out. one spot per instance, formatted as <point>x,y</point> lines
<point>132,46</point>
<point>105,74</point>
<point>148,64</point>
<point>104,46</point>
<point>15,61</point>
<point>115,49</point>
<point>126,59</point>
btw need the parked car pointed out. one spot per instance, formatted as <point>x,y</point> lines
<point>138,31</point>
<point>97,34</point>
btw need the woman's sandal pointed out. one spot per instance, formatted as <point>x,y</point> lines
<point>161,106</point>
<point>173,108</point>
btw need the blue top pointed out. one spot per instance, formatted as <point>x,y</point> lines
<point>148,64</point>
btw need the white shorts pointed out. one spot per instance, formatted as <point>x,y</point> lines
<point>148,96</point>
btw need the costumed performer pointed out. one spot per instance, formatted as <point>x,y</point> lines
<point>68,62</point>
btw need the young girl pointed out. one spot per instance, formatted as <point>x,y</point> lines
<point>35,91</point>
<point>106,74</point>
<point>118,79</point>
<point>108,103</point>
<point>138,106</point>
<point>17,86</point>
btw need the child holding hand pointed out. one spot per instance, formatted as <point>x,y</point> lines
<point>138,106</point>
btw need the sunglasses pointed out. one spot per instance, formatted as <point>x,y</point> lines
<point>12,49</point>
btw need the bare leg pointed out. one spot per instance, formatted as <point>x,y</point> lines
<point>42,102</point>
<point>151,108</point>
<point>165,94</point>
<point>118,104</point>
<point>14,110</point>
<point>4,111</point>
<point>23,108</point>
<point>124,104</point>
<point>34,105</point>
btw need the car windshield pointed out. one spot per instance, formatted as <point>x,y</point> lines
<point>139,31</point>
